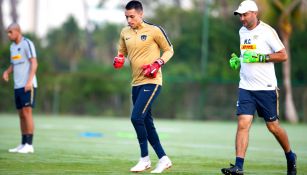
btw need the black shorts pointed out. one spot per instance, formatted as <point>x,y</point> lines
<point>265,102</point>
<point>25,99</point>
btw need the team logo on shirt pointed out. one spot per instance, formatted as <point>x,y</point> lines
<point>143,37</point>
<point>248,45</point>
<point>247,41</point>
<point>16,57</point>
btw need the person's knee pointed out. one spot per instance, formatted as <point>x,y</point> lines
<point>273,128</point>
<point>243,126</point>
<point>22,114</point>
<point>26,111</point>
<point>137,120</point>
<point>150,127</point>
<point>244,122</point>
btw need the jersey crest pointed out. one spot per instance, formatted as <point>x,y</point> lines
<point>143,37</point>
<point>247,45</point>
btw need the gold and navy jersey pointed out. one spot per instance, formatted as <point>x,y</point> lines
<point>143,46</point>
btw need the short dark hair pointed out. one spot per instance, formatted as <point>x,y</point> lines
<point>137,5</point>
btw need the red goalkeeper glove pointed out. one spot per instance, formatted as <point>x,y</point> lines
<point>151,70</point>
<point>119,61</point>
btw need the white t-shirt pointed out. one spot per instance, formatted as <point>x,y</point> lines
<point>20,55</point>
<point>262,39</point>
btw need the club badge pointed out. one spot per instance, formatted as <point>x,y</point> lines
<point>143,37</point>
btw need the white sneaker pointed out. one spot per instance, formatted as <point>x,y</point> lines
<point>14,150</point>
<point>143,164</point>
<point>26,149</point>
<point>163,164</point>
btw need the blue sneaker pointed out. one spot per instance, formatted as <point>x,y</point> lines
<point>233,170</point>
<point>291,166</point>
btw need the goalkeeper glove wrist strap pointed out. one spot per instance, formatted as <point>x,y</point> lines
<point>267,57</point>
<point>264,58</point>
<point>160,62</point>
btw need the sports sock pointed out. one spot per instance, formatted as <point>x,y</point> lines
<point>29,139</point>
<point>146,158</point>
<point>23,139</point>
<point>239,162</point>
<point>290,156</point>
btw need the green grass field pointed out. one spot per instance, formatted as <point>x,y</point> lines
<point>195,147</point>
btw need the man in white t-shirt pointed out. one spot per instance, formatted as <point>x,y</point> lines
<point>260,48</point>
<point>23,66</point>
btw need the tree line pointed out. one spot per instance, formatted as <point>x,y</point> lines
<point>76,75</point>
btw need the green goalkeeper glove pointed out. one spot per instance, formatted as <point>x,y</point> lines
<point>234,61</point>
<point>252,57</point>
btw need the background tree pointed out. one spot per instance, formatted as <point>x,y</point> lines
<point>2,30</point>
<point>14,14</point>
<point>66,45</point>
<point>105,40</point>
<point>72,83</point>
<point>88,32</point>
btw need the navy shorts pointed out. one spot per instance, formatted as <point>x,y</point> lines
<point>24,99</point>
<point>264,102</point>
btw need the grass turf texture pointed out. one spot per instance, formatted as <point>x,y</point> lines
<point>195,147</point>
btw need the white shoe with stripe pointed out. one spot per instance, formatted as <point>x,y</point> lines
<point>14,150</point>
<point>143,164</point>
<point>163,164</point>
<point>26,149</point>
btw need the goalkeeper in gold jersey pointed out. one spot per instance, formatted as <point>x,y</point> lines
<point>148,48</point>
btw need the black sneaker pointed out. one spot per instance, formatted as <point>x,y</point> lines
<point>291,166</point>
<point>233,170</point>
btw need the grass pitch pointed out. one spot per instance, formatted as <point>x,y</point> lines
<point>87,145</point>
